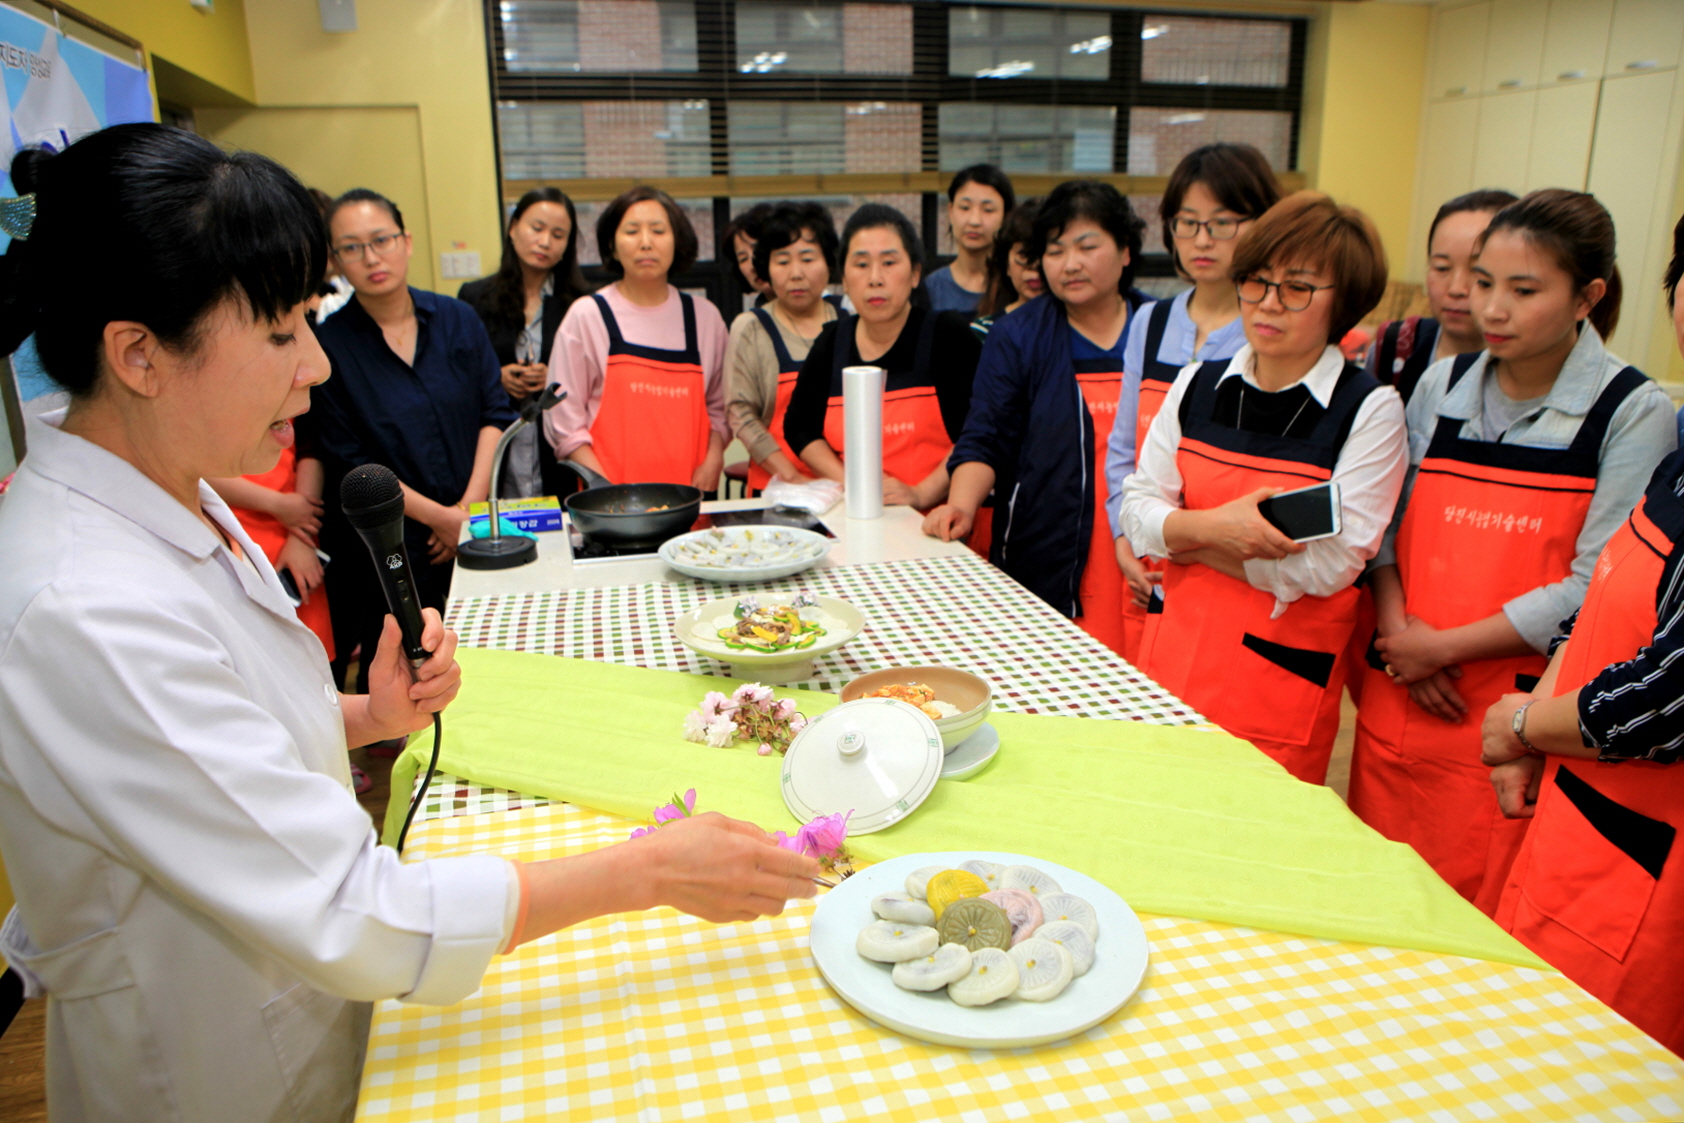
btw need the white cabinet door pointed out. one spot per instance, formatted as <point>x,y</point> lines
<point>1503,140</point>
<point>1562,129</point>
<point>1631,168</point>
<point>1448,139</point>
<point>1514,44</point>
<point>1645,35</point>
<point>1575,40</point>
<point>1459,51</point>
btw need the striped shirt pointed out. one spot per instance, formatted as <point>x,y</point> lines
<point>1635,710</point>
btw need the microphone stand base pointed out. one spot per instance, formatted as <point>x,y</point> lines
<point>496,553</point>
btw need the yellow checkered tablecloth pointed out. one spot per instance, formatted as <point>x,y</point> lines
<point>658,1016</point>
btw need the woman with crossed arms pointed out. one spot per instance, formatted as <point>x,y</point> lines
<point>1592,758</point>
<point>1253,624</point>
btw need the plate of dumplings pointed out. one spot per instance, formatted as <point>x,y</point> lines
<point>980,949</point>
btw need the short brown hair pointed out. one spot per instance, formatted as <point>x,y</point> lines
<point>1309,228</point>
<point>1238,175</point>
<point>684,244</point>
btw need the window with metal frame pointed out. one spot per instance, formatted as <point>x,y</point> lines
<point>729,102</point>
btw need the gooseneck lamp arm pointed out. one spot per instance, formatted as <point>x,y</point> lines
<point>529,414</point>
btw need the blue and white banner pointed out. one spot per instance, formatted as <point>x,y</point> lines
<point>57,91</point>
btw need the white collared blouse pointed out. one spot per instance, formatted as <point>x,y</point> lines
<point>199,893</point>
<point>1369,472</point>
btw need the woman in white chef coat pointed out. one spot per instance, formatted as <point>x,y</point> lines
<point>199,895</point>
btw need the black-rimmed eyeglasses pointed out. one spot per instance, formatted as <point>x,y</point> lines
<point>351,251</point>
<point>1295,295</point>
<point>1222,229</point>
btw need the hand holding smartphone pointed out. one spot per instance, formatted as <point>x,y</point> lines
<point>1305,514</point>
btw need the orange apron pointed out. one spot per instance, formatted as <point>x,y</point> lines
<point>1598,886</point>
<point>1486,522</point>
<point>652,425</point>
<point>1156,378</point>
<point>788,370</point>
<point>267,532</point>
<point>1271,681</point>
<point>915,440</point>
<point>1102,589</point>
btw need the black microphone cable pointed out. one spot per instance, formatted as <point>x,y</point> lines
<point>426,781</point>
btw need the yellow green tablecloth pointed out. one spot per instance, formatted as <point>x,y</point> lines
<point>1180,822</point>
<point>654,1017</point>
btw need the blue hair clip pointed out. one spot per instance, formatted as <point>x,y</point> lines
<point>17,215</point>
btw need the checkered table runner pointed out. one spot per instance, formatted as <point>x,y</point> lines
<point>958,611</point>
<point>658,1016</point>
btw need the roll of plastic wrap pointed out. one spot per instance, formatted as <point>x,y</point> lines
<point>862,459</point>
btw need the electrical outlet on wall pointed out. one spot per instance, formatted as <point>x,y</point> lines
<point>338,15</point>
<point>461,265</point>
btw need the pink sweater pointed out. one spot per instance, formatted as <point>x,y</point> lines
<point>580,356</point>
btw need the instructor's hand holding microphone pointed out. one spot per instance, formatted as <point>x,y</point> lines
<point>401,699</point>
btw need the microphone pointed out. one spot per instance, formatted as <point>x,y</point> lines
<point>373,504</point>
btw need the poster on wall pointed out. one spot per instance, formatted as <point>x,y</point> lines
<point>57,91</point>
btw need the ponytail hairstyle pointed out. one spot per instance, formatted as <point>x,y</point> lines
<point>1675,267</point>
<point>366,195</point>
<point>872,216</point>
<point>508,284</point>
<point>1577,231</point>
<point>984,175</point>
<point>1487,199</point>
<point>1000,293</point>
<point>178,227</point>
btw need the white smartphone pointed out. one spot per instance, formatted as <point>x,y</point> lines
<point>1306,514</point>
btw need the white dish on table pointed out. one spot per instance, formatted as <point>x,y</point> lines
<point>699,630</point>
<point>1120,957</point>
<point>971,755</point>
<point>745,553</point>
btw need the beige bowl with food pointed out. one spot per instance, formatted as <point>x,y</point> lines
<point>970,694</point>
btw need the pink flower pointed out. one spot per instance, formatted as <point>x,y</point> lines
<point>752,694</point>
<point>784,709</point>
<point>824,836</point>
<point>721,732</point>
<point>797,724</point>
<point>713,705</point>
<point>765,749</point>
<point>676,809</point>
<point>787,842</point>
<point>641,831</point>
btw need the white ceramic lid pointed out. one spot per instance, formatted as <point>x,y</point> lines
<point>875,756</point>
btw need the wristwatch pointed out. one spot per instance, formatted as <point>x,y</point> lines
<point>1518,724</point>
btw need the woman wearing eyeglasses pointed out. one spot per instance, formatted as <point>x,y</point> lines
<point>1212,196</point>
<point>1526,457</point>
<point>417,387</point>
<point>1253,625</point>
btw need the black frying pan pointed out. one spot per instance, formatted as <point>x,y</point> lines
<point>621,515</point>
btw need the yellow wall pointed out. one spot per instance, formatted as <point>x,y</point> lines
<point>212,45</point>
<point>337,148</point>
<point>1362,114</point>
<point>427,55</point>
